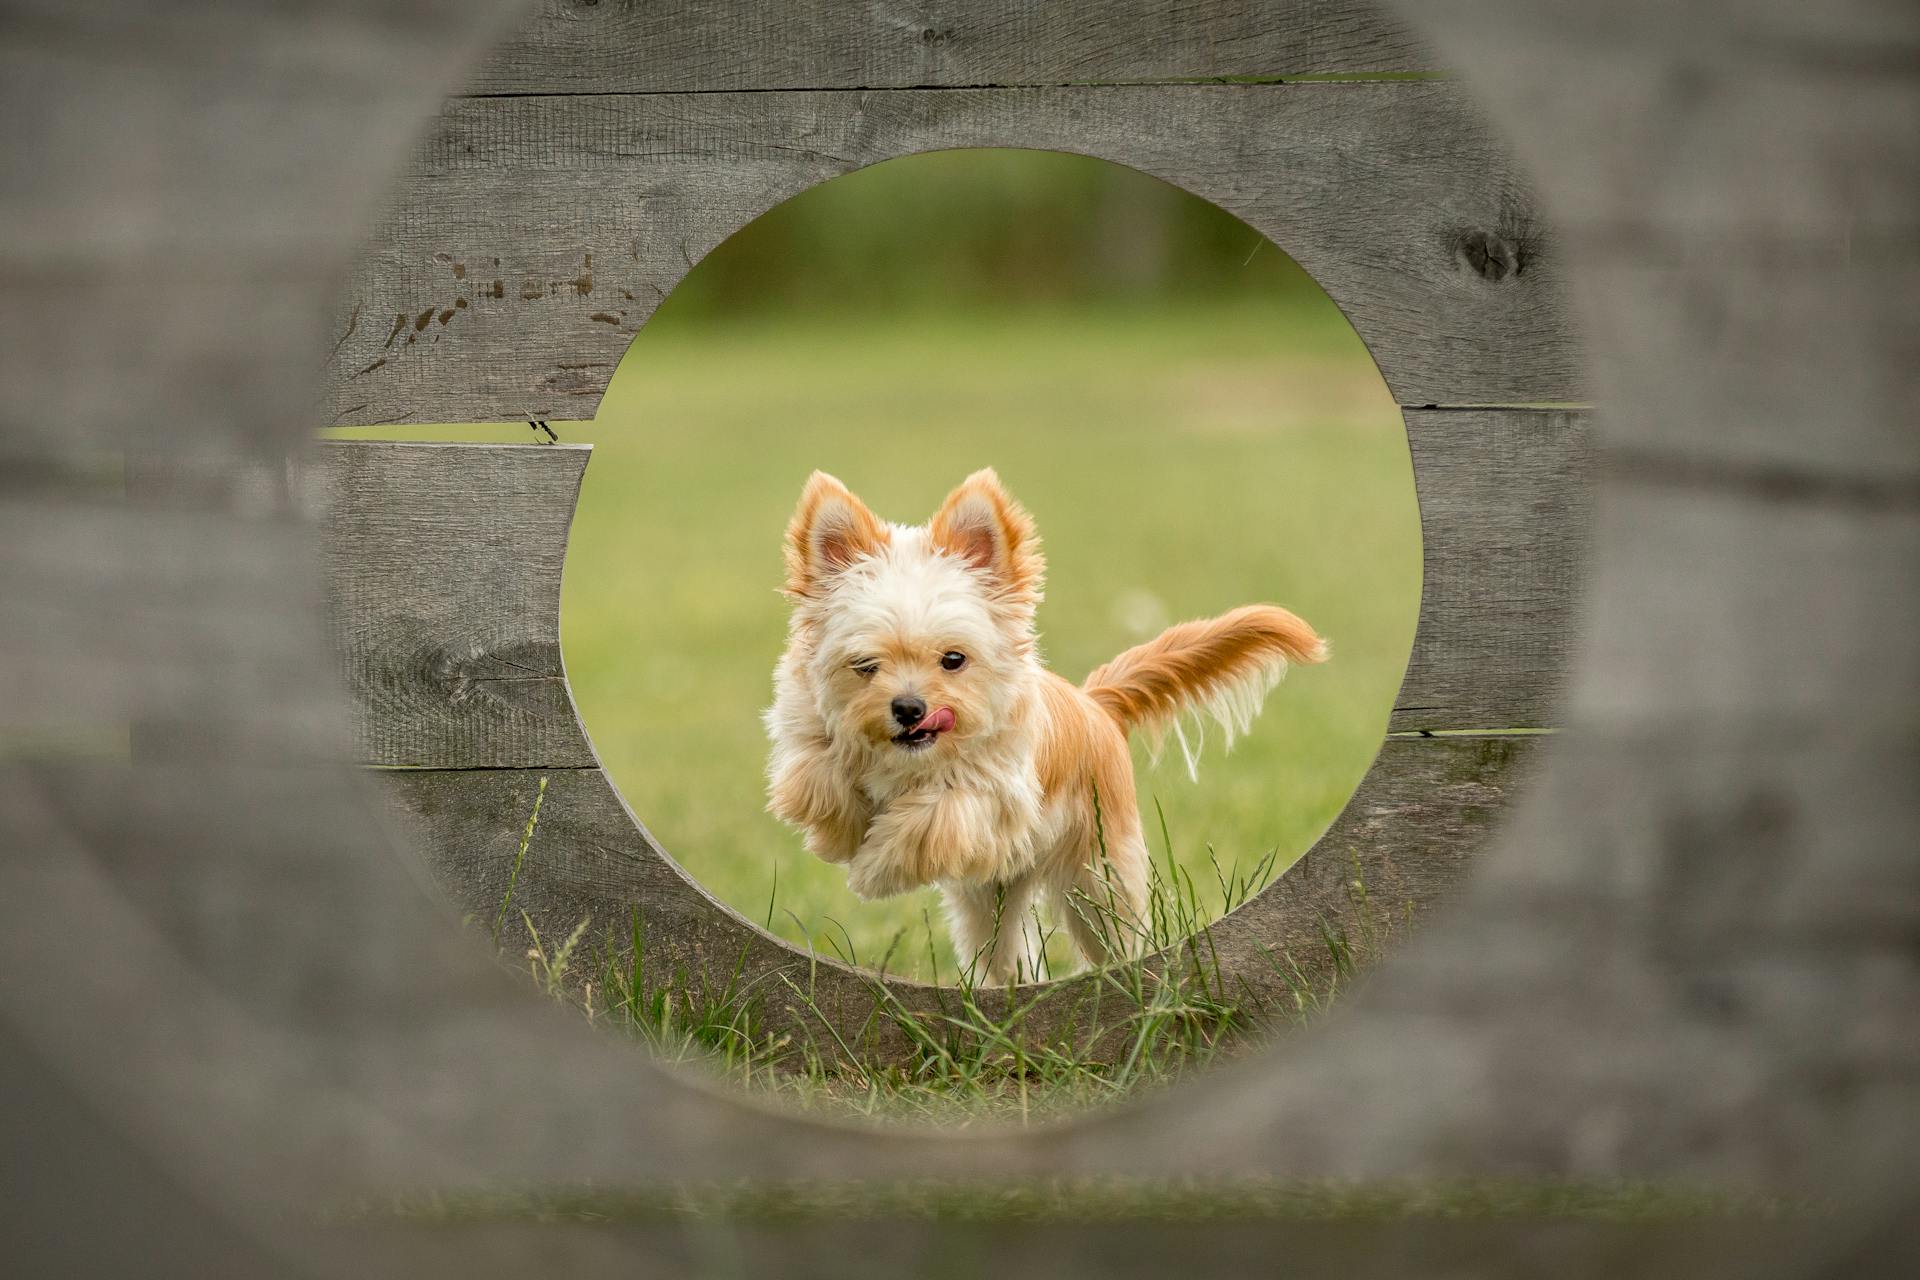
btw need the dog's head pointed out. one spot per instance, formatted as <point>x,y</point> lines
<point>917,639</point>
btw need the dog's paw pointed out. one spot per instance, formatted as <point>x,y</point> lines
<point>872,876</point>
<point>833,842</point>
<point>968,865</point>
<point>994,857</point>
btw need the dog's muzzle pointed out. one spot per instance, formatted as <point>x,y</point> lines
<point>923,732</point>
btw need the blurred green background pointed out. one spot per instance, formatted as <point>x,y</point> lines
<point>1191,421</point>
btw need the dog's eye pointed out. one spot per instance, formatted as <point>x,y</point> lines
<point>866,668</point>
<point>953,660</point>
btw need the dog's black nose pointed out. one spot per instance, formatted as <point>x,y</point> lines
<point>909,711</point>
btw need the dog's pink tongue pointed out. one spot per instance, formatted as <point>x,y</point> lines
<point>938,720</point>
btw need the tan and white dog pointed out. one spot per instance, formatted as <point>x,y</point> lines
<point>919,740</point>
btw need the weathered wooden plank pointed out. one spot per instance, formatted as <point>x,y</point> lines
<point>122,287</point>
<point>534,236</point>
<point>1781,610</point>
<point>588,860</point>
<point>1504,503</point>
<point>443,565</point>
<point>1665,903</point>
<point>1401,846</point>
<point>1809,109</point>
<point>1778,337</point>
<point>116,603</point>
<point>1812,814</point>
<point>585,46</point>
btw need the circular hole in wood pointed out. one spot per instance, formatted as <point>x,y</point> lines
<point>1191,422</point>
<point>1207,433</point>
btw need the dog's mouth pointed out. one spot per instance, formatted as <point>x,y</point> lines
<point>931,726</point>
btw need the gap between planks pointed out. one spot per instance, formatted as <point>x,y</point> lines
<point>1196,82</point>
<point>480,768</point>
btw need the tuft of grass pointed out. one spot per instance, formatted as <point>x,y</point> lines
<point>982,1055</point>
<point>519,860</point>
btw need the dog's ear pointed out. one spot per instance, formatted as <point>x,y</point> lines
<point>830,530</point>
<point>982,524</point>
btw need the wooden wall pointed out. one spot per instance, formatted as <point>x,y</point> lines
<point>1691,953</point>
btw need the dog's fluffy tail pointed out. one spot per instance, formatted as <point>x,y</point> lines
<point>1225,666</point>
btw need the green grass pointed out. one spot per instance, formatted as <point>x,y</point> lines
<point>972,1059</point>
<point>1179,459</point>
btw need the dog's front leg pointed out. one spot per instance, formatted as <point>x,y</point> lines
<point>810,791</point>
<point>942,833</point>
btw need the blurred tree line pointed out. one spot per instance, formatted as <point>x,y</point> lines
<point>956,229</point>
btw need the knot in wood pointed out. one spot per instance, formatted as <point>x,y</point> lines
<point>1488,255</point>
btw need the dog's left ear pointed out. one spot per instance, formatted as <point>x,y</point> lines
<point>982,524</point>
<point>830,530</point>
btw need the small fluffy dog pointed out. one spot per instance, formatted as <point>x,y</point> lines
<point>918,739</point>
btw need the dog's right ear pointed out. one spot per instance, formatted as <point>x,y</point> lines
<point>830,530</point>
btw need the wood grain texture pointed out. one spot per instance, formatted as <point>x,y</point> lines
<point>120,287</point>
<point>1747,224</point>
<point>1402,846</point>
<point>1399,848</point>
<point>1836,798</point>
<point>586,46</point>
<point>591,861</point>
<point>1744,582</point>
<point>1505,497</point>
<point>100,650</point>
<point>443,566</point>
<point>534,236</point>
<point>1780,336</point>
<point>1807,110</point>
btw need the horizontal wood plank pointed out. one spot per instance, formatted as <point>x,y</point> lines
<point>534,236</point>
<point>1813,814</point>
<point>585,46</point>
<point>1743,582</point>
<point>113,609</point>
<point>1780,339</point>
<point>1505,499</point>
<point>443,567</point>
